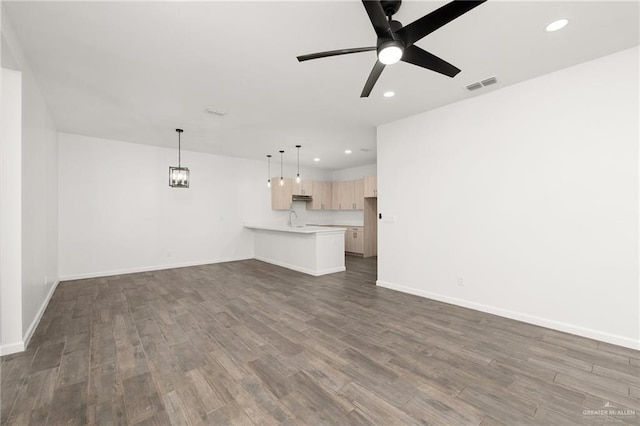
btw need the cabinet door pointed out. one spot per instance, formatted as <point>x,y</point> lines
<point>371,186</point>
<point>326,196</point>
<point>358,240</point>
<point>348,240</point>
<point>358,193</point>
<point>346,199</point>
<point>337,191</point>
<point>305,187</point>
<point>354,240</point>
<point>349,195</point>
<point>281,195</point>
<point>321,195</point>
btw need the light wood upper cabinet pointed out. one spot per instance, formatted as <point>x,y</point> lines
<point>348,195</point>
<point>344,195</point>
<point>322,196</point>
<point>281,195</point>
<point>371,186</point>
<point>358,194</point>
<point>305,187</point>
<point>336,195</point>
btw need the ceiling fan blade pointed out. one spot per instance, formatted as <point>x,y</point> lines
<point>436,19</point>
<point>334,53</point>
<point>377,17</point>
<point>373,77</point>
<point>416,56</point>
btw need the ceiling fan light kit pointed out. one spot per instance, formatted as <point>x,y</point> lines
<point>396,43</point>
<point>390,52</point>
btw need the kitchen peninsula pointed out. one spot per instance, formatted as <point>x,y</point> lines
<point>313,250</point>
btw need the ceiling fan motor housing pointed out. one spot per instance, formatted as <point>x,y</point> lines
<point>390,7</point>
<point>395,27</point>
<point>392,40</point>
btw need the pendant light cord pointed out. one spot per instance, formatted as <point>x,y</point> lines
<point>179,146</point>
<point>281,174</point>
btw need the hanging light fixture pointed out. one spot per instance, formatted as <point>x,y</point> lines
<point>281,174</point>
<point>269,171</point>
<point>179,176</point>
<point>298,175</point>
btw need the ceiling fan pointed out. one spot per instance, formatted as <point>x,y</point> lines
<point>396,43</point>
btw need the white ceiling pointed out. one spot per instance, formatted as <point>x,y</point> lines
<point>134,71</point>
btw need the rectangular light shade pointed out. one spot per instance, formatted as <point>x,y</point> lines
<point>178,177</point>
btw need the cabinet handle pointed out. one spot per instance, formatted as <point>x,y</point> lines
<point>340,206</point>
<point>354,205</point>
<point>355,235</point>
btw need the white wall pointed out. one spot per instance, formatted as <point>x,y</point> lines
<point>529,194</point>
<point>118,213</point>
<point>354,172</point>
<point>39,190</point>
<point>11,212</point>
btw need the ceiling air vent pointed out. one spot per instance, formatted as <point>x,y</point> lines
<point>480,84</point>
<point>474,86</point>
<point>489,81</point>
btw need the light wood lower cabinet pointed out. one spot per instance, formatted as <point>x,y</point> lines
<point>354,240</point>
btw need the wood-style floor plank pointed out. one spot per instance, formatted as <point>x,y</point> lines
<point>248,343</point>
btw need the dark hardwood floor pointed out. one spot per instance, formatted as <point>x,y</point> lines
<point>250,343</point>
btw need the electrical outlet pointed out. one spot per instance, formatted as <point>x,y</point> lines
<point>460,281</point>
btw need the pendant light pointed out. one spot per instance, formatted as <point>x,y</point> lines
<point>298,175</point>
<point>269,171</point>
<point>179,176</point>
<point>281,174</point>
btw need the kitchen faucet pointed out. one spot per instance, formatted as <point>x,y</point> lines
<point>294,212</point>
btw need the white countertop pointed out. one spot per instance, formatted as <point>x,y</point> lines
<point>342,225</point>
<point>295,229</point>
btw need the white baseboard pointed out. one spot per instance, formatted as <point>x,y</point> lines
<point>303,270</point>
<point>11,348</point>
<point>149,268</point>
<point>531,319</point>
<point>34,324</point>
<point>20,346</point>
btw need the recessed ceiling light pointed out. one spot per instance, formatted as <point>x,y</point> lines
<point>557,25</point>
<point>389,94</point>
<point>347,151</point>
<point>316,159</point>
